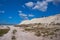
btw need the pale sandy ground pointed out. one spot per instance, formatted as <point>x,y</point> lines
<point>8,35</point>
<point>20,35</point>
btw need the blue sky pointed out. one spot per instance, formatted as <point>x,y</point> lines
<point>15,11</point>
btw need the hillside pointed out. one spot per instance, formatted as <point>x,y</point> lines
<point>45,20</point>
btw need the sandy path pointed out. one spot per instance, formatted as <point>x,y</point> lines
<point>20,35</point>
<point>8,35</point>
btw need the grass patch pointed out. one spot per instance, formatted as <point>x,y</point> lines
<point>28,29</point>
<point>3,31</point>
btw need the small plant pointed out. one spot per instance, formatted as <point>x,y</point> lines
<point>51,37</point>
<point>51,33</point>
<point>57,30</point>
<point>38,33</point>
<point>28,29</point>
<point>13,38</point>
<point>14,31</point>
<point>56,35</point>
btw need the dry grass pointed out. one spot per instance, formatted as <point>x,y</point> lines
<point>13,38</point>
<point>14,31</point>
<point>43,31</point>
<point>3,31</point>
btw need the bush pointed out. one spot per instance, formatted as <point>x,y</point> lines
<point>28,28</point>
<point>13,38</point>
<point>51,37</point>
<point>14,31</point>
<point>51,33</point>
<point>38,33</point>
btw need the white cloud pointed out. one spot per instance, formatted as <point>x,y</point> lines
<point>56,2</point>
<point>22,14</point>
<point>20,11</point>
<point>31,15</point>
<point>49,0</point>
<point>29,4</point>
<point>25,16</point>
<point>41,5</point>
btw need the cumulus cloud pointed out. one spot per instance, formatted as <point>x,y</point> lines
<point>29,4</point>
<point>25,16</point>
<point>49,0</point>
<point>56,2</point>
<point>31,15</point>
<point>41,5</point>
<point>22,14</point>
<point>20,11</point>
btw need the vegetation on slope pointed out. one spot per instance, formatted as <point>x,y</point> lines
<point>43,31</point>
<point>3,31</point>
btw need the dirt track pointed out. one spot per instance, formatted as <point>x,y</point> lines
<point>20,35</point>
